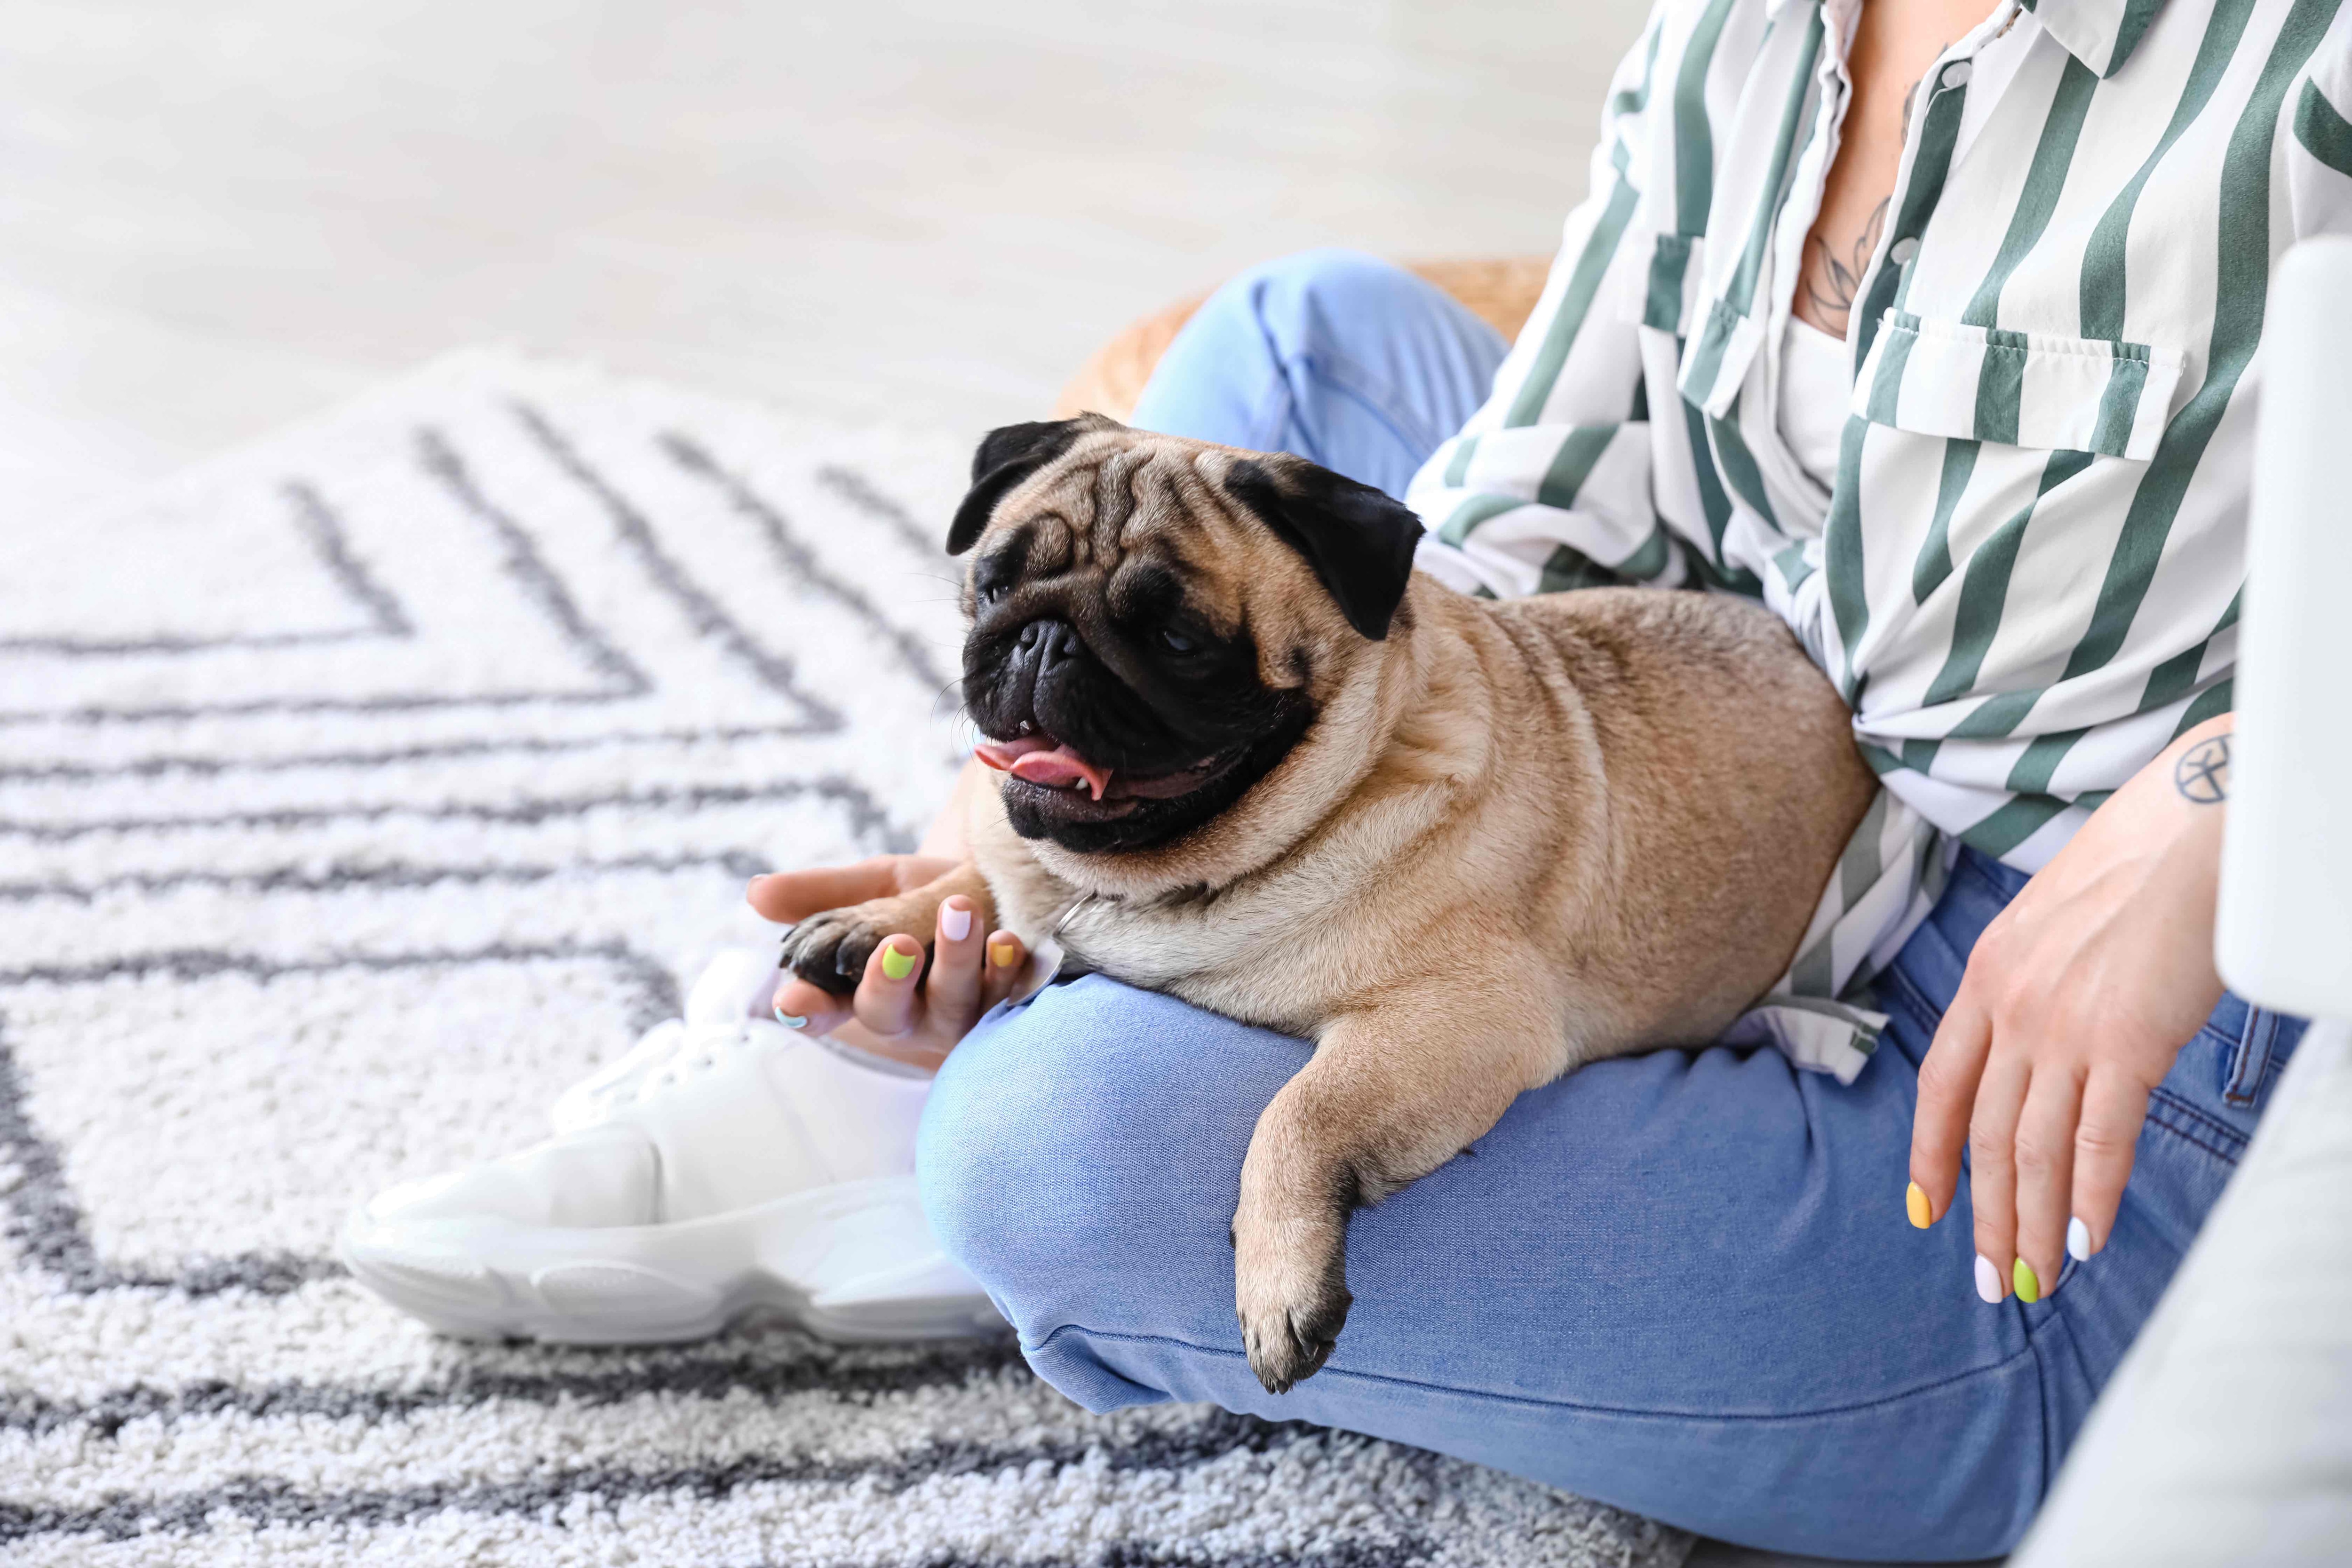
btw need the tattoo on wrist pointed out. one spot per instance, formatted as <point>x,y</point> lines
<point>2202,774</point>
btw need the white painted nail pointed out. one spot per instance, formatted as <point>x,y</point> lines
<point>2078,1241</point>
<point>1988,1280</point>
<point>955,924</point>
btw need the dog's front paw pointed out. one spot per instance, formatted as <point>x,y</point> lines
<point>830,951</point>
<point>1292,1299</point>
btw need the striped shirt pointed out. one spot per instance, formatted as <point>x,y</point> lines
<point>2024,577</point>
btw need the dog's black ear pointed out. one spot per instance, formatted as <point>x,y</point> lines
<point>1007,456</point>
<point>1358,540</point>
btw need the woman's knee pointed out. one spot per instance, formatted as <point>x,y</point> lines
<point>1342,358</point>
<point>1095,1126</point>
<point>1001,1144</point>
<point>1292,301</point>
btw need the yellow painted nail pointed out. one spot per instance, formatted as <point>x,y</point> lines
<point>1002,954</point>
<point>1915,1200</point>
<point>2029,1288</point>
<point>896,964</point>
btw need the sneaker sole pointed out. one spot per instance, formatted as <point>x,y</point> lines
<point>854,1262</point>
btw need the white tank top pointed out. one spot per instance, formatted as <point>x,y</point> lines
<point>1815,388</point>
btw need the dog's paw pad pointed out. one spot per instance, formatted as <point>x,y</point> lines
<point>830,951</point>
<point>1291,1317</point>
<point>1291,1346</point>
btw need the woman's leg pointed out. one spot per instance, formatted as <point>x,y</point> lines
<point>1682,1282</point>
<point>1341,358</point>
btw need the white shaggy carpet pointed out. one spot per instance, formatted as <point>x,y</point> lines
<point>356,795</point>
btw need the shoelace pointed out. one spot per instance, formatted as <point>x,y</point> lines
<point>697,1049</point>
<point>640,1076</point>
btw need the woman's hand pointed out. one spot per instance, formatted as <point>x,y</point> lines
<point>917,1018</point>
<point>2077,998</point>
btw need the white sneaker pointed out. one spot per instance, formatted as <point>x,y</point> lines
<point>725,1163</point>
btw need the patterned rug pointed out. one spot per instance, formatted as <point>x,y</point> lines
<point>359,792</point>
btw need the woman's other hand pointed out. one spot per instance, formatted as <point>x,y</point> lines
<point>2076,1000</point>
<point>910,1016</point>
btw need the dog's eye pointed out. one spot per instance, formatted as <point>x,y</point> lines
<point>1176,641</point>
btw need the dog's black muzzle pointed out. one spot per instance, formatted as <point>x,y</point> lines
<point>1044,650</point>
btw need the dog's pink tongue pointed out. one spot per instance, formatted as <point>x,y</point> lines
<point>1060,769</point>
<point>1056,767</point>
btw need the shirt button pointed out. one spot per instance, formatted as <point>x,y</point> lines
<point>1902,251</point>
<point>1955,75</point>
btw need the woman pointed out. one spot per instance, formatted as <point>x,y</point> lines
<point>1939,331</point>
<point>1709,1286</point>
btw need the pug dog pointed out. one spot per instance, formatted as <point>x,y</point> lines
<point>1244,754</point>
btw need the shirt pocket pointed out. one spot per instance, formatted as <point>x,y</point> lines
<point>2019,389</point>
<point>1659,287</point>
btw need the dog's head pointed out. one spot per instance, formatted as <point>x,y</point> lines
<point>1159,624</point>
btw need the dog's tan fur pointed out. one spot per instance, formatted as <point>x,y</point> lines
<point>1518,836</point>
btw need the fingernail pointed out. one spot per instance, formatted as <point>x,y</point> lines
<point>2028,1287</point>
<point>897,962</point>
<point>1003,953</point>
<point>1988,1279</point>
<point>788,1021</point>
<point>1915,1201</point>
<point>955,924</point>
<point>2078,1240</point>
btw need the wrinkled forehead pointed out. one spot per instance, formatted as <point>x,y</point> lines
<point>1137,518</point>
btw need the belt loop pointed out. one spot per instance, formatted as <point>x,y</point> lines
<point>2252,1061</point>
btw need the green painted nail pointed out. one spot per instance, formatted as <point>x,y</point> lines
<point>897,966</point>
<point>2029,1288</point>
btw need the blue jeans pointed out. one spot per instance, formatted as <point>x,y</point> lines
<point>1342,359</point>
<point>1682,1282</point>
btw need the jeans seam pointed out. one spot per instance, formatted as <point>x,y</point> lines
<point>1894,976</point>
<point>1305,360</point>
<point>1860,1406</point>
<point>2218,1138</point>
<point>1331,370</point>
<point>2053,1452</point>
<point>2227,1142</point>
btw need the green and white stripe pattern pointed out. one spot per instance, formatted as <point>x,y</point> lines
<point>2025,576</point>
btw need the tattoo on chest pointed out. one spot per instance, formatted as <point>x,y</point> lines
<point>2202,774</point>
<point>1833,282</point>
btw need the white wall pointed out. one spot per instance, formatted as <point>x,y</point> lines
<point>214,217</point>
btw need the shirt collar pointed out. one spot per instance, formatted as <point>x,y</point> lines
<point>2101,34</point>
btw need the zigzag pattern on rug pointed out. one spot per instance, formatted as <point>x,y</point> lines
<point>359,792</point>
